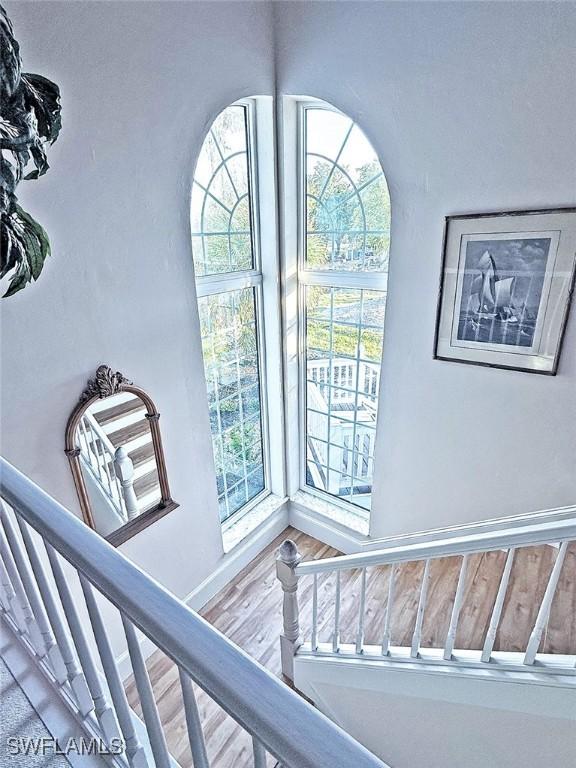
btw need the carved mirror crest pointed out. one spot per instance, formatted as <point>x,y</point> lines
<point>115,451</point>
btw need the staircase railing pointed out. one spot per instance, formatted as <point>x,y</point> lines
<point>40,603</point>
<point>291,570</point>
<point>97,453</point>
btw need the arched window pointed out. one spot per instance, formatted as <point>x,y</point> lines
<point>275,432</point>
<point>228,282</point>
<point>345,226</point>
<point>222,232</point>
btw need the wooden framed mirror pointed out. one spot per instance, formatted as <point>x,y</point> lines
<point>114,446</point>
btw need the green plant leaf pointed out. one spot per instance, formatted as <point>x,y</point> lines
<point>9,175</point>
<point>38,245</point>
<point>25,246</point>
<point>40,160</point>
<point>12,249</point>
<point>43,97</point>
<point>19,280</point>
<point>10,64</point>
<point>30,119</point>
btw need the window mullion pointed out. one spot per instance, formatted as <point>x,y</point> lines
<point>219,420</point>
<point>333,279</point>
<point>231,281</point>
<point>241,411</point>
<point>355,427</point>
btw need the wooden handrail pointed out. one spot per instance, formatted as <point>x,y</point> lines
<point>290,729</point>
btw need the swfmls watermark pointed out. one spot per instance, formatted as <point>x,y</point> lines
<point>47,745</point>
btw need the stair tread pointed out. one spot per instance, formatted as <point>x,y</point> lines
<point>143,485</point>
<point>142,455</point>
<point>119,411</point>
<point>131,432</point>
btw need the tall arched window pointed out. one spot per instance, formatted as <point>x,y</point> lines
<point>228,282</point>
<point>345,235</point>
<point>293,405</point>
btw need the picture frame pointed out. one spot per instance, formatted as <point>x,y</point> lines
<point>506,286</point>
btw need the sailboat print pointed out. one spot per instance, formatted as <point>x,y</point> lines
<point>492,293</point>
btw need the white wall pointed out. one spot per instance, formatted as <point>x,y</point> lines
<point>140,84</point>
<point>472,107</point>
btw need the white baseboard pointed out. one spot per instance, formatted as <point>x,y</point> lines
<point>238,558</point>
<point>328,531</point>
<point>230,565</point>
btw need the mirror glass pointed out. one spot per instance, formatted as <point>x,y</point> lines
<point>117,461</point>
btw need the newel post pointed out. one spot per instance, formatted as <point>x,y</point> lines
<point>125,473</point>
<point>287,559</point>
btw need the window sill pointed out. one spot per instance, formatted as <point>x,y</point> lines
<point>235,531</point>
<point>357,521</point>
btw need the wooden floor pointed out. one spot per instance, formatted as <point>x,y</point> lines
<point>249,612</point>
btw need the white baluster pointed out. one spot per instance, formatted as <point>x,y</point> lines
<point>6,608</point>
<point>134,750</point>
<point>75,676</point>
<point>91,439</point>
<point>259,754</point>
<point>102,709</point>
<point>98,456</point>
<point>361,611</point>
<point>118,495</point>
<point>146,694</point>
<point>107,478</point>
<point>195,734</point>
<point>32,597</point>
<point>498,605</point>
<point>417,636</point>
<point>6,591</point>
<point>286,561</point>
<point>336,635</point>
<point>388,612</point>
<point>314,637</point>
<point>13,606</point>
<point>456,608</point>
<point>30,625</point>
<point>82,433</point>
<point>545,606</point>
<point>124,469</point>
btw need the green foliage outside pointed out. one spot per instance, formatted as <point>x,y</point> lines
<point>344,341</point>
<point>220,253</point>
<point>344,337</point>
<point>229,333</point>
<point>335,217</point>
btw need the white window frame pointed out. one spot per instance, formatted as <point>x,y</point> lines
<point>263,279</point>
<point>373,281</point>
<point>276,151</point>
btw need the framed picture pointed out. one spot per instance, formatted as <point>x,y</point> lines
<point>505,289</point>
